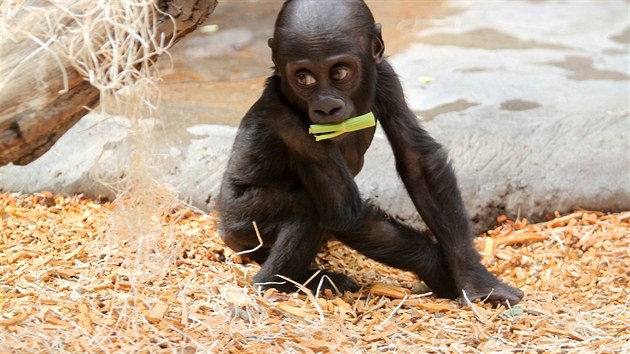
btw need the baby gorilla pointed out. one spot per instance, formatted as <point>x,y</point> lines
<point>329,67</point>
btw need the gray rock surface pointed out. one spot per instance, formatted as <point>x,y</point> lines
<point>530,98</point>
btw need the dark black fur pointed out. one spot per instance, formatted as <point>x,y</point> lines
<point>302,192</point>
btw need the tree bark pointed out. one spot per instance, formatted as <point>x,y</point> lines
<point>35,110</point>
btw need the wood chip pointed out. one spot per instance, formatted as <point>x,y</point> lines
<point>54,319</point>
<point>296,312</point>
<point>157,312</point>
<point>13,318</point>
<point>435,307</point>
<point>520,238</point>
<point>392,291</point>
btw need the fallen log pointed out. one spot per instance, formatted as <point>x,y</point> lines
<point>41,94</point>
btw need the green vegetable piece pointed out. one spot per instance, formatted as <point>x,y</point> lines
<point>329,131</point>
<point>514,312</point>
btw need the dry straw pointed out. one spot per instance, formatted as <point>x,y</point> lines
<point>60,294</point>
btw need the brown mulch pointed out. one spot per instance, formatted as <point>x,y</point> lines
<point>66,287</point>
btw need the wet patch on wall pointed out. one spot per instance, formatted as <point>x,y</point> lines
<point>582,69</point>
<point>456,106</point>
<point>519,105</point>
<point>623,37</point>
<point>487,38</point>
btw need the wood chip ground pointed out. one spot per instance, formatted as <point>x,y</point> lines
<point>66,288</point>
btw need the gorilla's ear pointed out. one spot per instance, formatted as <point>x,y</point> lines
<point>271,44</point>
<point>378,46</point>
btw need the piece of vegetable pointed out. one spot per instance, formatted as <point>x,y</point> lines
<point>329,131</point>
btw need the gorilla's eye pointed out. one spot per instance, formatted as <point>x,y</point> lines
<point>339,73</point>
<point>305,79</point>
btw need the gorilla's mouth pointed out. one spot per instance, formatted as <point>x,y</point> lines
<point>329,131</point>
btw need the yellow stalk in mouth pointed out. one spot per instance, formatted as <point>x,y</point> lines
<point>329,131</point>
